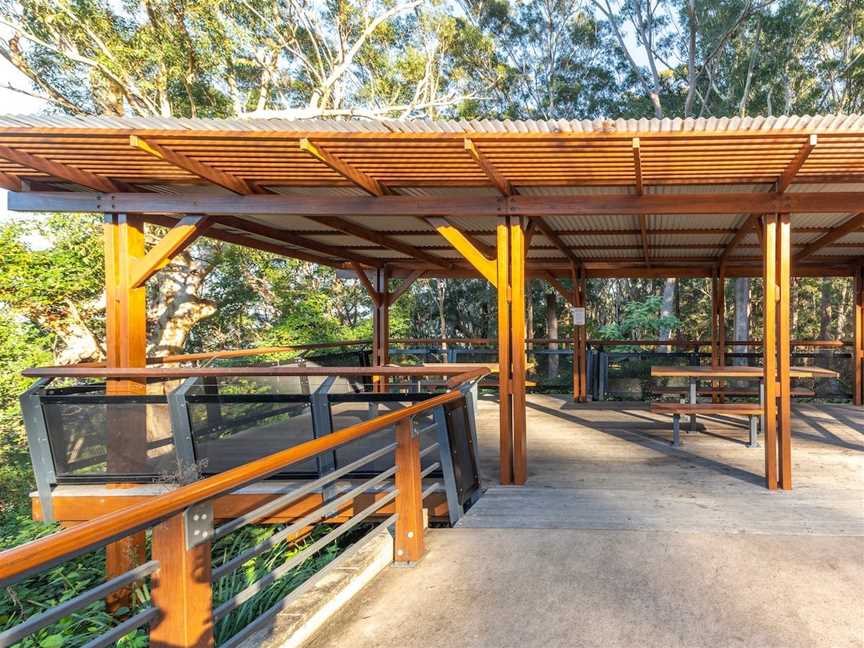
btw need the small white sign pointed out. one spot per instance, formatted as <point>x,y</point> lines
<point>578,315</point>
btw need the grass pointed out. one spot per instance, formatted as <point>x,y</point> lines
<point>38,593</point>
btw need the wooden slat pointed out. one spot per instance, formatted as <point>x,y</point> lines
<point>362,180</point>
<point>173,243</point>
<point>795,165</point>
<point>209,173</point>
<point>853,224</point>
<point>637,167</point>
<point>58,170</point>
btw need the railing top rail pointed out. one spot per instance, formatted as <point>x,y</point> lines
<point>238,372</point>
<point>89,535</point>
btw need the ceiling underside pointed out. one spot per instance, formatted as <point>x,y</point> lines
<point>447,160</point>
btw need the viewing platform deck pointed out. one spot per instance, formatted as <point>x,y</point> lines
<point>619,539</point>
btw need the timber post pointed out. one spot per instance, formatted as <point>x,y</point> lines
<point>769,346</point>
<point>409,544</point>
<point>858,351</point>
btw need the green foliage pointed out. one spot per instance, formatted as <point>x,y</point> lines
<point>641,319</point>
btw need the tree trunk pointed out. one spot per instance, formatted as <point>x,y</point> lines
<point>667,308</point>
<point>742,317</point>
<point>825,311</point>
<point>552,334</point>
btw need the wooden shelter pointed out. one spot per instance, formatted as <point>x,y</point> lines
<point>560,201</point>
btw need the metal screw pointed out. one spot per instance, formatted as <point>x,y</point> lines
<point>399,552</point>
<point>410,534</point>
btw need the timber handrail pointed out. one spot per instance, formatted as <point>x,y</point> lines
<point>210,372</point>
<point>92,534</point>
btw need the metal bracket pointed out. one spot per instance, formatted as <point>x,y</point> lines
<point>181,430</point>
<point>322,425</point>
<point>198,524</point>
<point>39,446</point>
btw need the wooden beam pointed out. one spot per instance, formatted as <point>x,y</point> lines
<point>466,248</point>
<point>58,170</point>
<point>751,223</point>
<point>381,239</point>
<point>407,282</point>
<point>858,351</point>
<point>556,240</point>
<point>795,165</point>
<point>367,183</point>
<point>364,279</point>
<point>461,206</point>
<point>637,167</point>
<point>211,174</point>
<point>505,420</point>
<point>501,183</point>
<point>487,250</point>
<point>836,234</point>
<point>643,229</point>
<point>566,295</point>
<point>10,182</point>
<point>173,243</point>
<point>287,236</point>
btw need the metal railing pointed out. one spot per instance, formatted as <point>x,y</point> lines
<point>180,569</point>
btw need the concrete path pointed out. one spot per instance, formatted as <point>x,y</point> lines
<point>620,540</point>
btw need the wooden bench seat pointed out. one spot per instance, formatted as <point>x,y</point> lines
<point>751,410</point>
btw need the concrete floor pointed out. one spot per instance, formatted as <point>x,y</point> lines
<point>618,539</point>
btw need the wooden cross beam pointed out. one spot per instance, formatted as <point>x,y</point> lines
<point>495,177</point>
<point>211,174</point>
<point>369,184</point>
<point>853,224</point>
<point>486,267</point>
<point>795,165</point>
<point>286,236</point>
<point>58,170</point>
<point>10,182</point>
<point>381,239</point>
<point>173,243</point>
<point>751,223</point>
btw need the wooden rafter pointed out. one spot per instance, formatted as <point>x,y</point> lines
<point>362,180</point>
<point>217,177</point>
<point>247,241</point>
<point>748,226</point>
<point>501,183</point>
<point>485,266</point>
<point>643,231</point>
<point>10,182</point>
<point>58,170</point>
<point>286,236</point>
<point>556,240</point>
<point>795,165</point>
<point>173,243</point>
<point>851,225</point>
<point>381,239</point>
<point>637,168</point>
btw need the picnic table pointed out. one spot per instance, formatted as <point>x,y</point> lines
<point>694,374</point>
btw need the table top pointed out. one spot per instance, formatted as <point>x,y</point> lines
<point>678,371</point>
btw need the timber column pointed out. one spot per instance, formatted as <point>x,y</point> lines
<point>580,337</point>
<point>126,346</point>
<point>858,338</point>
<point>776,242</point>
<point>381,328</point>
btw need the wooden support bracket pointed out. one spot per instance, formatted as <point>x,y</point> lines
<point>466,248</point>
<point>173,243</point>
